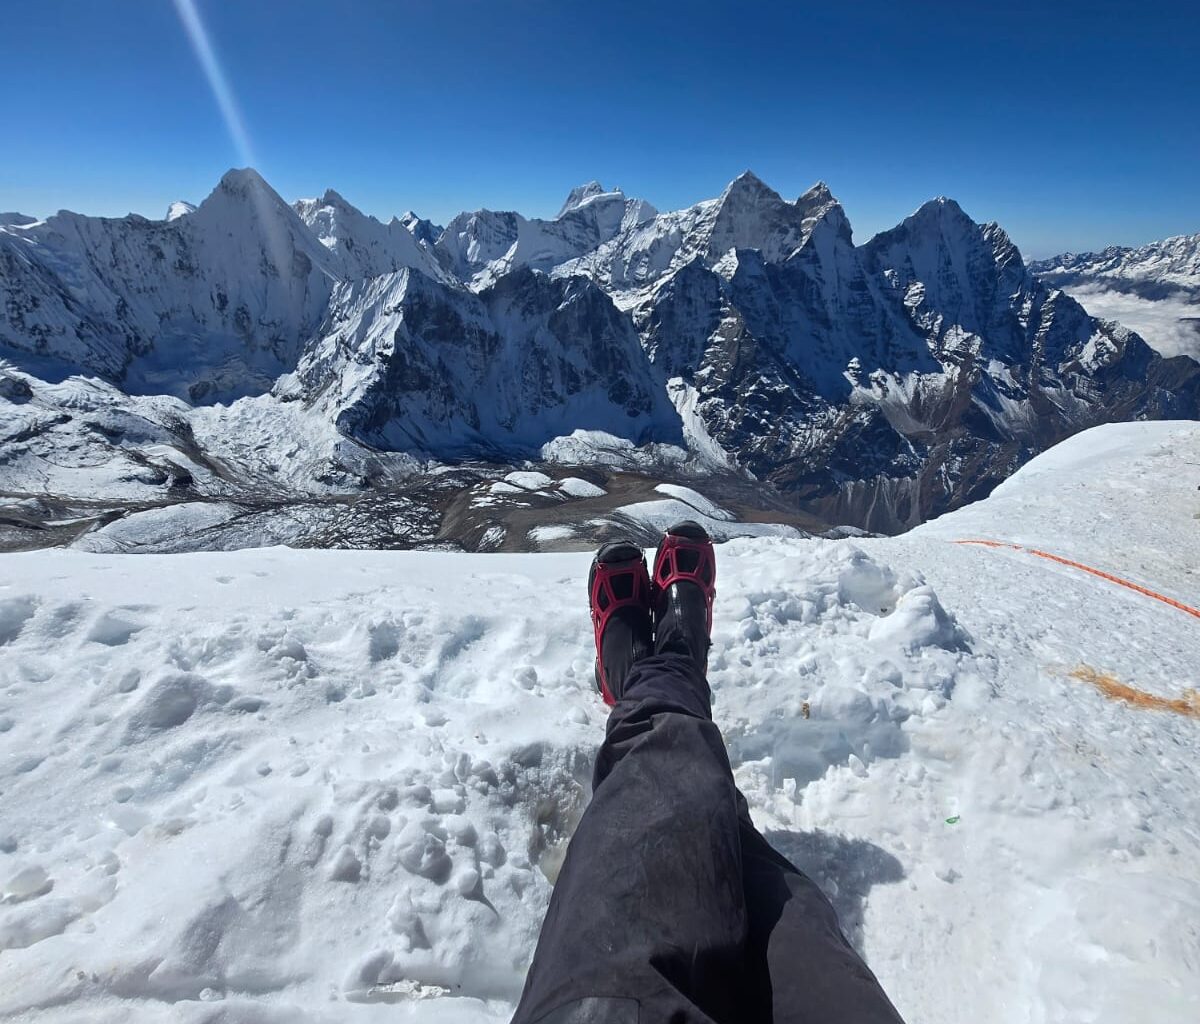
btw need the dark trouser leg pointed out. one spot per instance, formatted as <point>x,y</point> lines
<point>649,920</point>
<point>799,962</point>
<point>648,909</point>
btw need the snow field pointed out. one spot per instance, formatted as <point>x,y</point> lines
<point>327,786</point>
<point>364,795</point>
<point>245,795</point>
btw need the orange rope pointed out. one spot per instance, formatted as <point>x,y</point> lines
<point>1088,569</point>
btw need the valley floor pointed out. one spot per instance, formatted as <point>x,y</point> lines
<point>281,785</point>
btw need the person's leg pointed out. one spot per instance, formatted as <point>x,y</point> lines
<point>670,905</point>
<point>798,960</point>
<point>647,921</point>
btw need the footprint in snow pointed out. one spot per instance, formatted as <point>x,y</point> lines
<point>113,629</point>
<point>15,612</point>
<point>28,883</point>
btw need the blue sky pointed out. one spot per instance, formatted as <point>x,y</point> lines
<point>1072,124</point>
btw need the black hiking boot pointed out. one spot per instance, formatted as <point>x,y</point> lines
<point>619,599</point>
<point>685,576</point>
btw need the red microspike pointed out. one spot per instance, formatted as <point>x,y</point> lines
<point>682,559</point>
<point>615,585</point>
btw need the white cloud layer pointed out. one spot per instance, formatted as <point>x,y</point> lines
<point>1162,323</point>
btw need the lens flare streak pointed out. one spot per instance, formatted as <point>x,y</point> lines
<point>222,92</point>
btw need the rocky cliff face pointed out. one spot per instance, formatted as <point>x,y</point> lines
<point>405,363</point>
<point>874,384</point>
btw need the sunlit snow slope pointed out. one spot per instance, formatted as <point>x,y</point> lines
<point>284,785</point>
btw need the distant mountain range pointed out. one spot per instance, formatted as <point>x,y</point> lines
<point>1155,289</point>
<point>247,349</point>
<point>1160,270</point>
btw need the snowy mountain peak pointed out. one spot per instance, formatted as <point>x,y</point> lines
<point>13,219</point>
<point>1004,248</point>
<point>365,246</point>
<point>821,209</point>
<point>579,195</point>
<point>335,198</point>
<point>323,214</point>
<point>473,241</point>
<point>818,195</point>
<point>941,210</point>
<point>421,229</point>
<point>752,215</point>
<point>242,196</point>
<point>244,181</point>
<point>938,224</point>
<point>748,186</point>
<point>179,209</point>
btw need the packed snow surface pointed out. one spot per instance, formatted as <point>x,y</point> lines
<point>278,785</point>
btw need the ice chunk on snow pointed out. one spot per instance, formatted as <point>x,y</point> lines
<point>697,500</point>
<point>918,621</point>
<point>579,488</point>
<point>551,534</point>
<point>529,480</point>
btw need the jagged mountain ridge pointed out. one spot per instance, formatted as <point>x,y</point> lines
<point>365,247</point>
<point>904,376</point>
<point>483,246</point>
<point>878,384</point>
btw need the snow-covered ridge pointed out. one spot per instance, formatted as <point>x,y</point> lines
<point>535,358</point>
<point>483,246</point>
<point>363,246</point>
<point>336,786</point>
